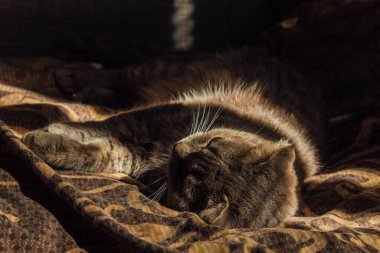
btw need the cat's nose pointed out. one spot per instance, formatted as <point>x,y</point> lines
<point>183,149</point>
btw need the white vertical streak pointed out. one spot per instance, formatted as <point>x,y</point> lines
<point>183,24</point>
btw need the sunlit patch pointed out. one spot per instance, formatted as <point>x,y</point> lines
<point>12,218</point>
<point>104,188</point>
<point>289,23</point>
<point>183,23</point>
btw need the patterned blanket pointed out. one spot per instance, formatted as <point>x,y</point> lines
<point>45,210</point>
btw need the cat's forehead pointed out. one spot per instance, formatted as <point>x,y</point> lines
<point>205,136</point>
<point>232,133</point>
<point>226,135</point>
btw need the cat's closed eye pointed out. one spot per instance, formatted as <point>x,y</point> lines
<point>212,146</point>
<point>212,142</point>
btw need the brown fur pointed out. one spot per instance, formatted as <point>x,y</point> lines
<point>234,135</point>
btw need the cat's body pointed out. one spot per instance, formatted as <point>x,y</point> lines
<point>234,135</point>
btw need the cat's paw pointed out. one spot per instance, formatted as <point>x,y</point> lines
<point>61,146</point>
<point>59,150</point>
<point>86,83</point>
<point>73,78</point>
<point>78,146</point>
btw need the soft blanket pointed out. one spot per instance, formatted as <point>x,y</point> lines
<point>45,210</point>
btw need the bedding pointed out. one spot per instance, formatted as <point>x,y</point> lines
<point>46,210</point>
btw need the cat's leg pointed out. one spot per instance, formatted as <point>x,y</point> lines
<point>162,79</point>
<point>153,81</point>
<point>78,146</point>
<point>123,143</point>
<point>89,83</point>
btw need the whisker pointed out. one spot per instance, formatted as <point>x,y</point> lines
<point>206,120</point>
<point>158,194</point>
<point>259,130</point>
<point>161,193</point>
<point>202,119</point>
<point>196,121</point>
<point>158,168</point>
<point>213,119</point>
<point>192,124</point>
<point>157,180</point>
<point>153,195</point>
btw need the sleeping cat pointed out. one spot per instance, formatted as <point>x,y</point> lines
<point>228,136</point>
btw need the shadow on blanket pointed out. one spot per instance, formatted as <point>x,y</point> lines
<point>341,205</point>
<point>103,212</point>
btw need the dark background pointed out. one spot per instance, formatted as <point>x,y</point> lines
<point>116,30</point>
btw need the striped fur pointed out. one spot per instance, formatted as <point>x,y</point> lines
<point>229,136</point>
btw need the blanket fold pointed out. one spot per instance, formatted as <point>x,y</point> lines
<point>48,210</point>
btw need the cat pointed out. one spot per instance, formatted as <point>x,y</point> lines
<point>228,136</point>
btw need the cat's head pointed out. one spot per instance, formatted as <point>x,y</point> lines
<point>233,178</point>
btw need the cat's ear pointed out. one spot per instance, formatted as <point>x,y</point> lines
<point>283,156</point>
<point>216,212</point>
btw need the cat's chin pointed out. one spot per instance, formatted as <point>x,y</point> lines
<point>225,211</point>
